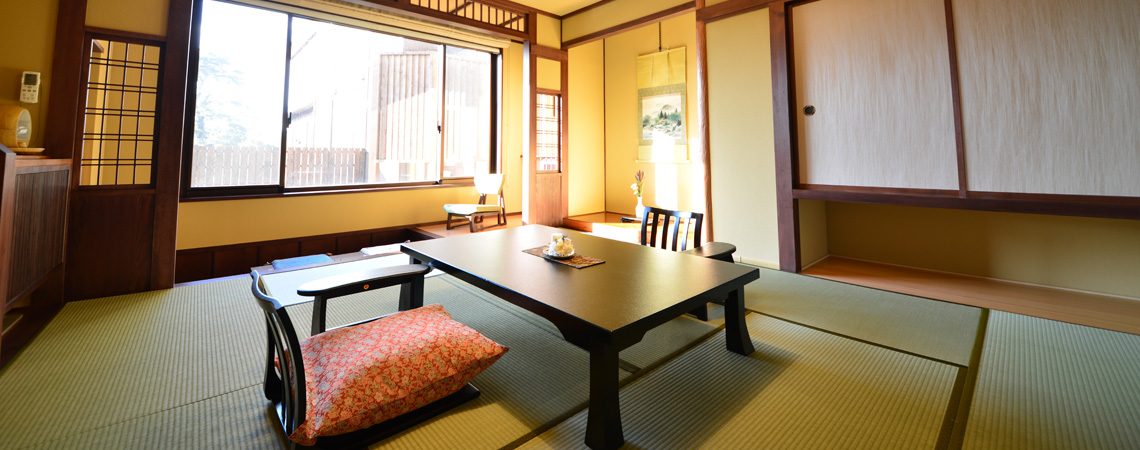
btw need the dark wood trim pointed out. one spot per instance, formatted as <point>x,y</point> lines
<point>442,16</point>
<point>530,116</point>
<point>508,5</point>
<point>191,99</point>
<point>142,38</point>
<point>783,85</point>
<point>236,259</point>
<point>731,8</point>
<point>1052,204</point>
<point>703,132</point>
<point>955,92</point>
<point>636,23</point>
<point>67,58</point>
<point>877,190</point>
<point>554,54</point>
<point>584,9</point>
<point>564,123</point>
<point>7,220</point>
<point>274,193</point>
<point>168,152</point>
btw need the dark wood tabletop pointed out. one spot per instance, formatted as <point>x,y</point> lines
<point>636,289</point>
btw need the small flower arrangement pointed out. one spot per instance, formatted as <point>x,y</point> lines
<point>639,183</point>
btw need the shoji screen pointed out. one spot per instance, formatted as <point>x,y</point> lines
<point>877,73</point>
<point>1051,95</point>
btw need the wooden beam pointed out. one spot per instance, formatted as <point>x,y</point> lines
<point>636,23</point>
<point>530,114</point>
<point>731,8</point>
<point>67,63</point>
<point>787,209</point>
<point>168,152</point>
<point>955,92</point>
<point>703,133</point>
<point>1052,204</point>
<point>551,53</point>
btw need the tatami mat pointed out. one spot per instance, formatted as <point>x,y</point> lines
<point>105,361</point>
<point>1047,384</point>
<point>939,330</point>
<point>801,389</point>
<point>234,420</point>
<point>107,369</point>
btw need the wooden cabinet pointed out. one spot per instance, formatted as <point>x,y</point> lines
<point>33,209</point>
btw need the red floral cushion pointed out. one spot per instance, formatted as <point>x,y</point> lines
<point>359,376</point>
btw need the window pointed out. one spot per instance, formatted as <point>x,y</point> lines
<point>120,111</point>
<point>287,102</point>
<point>548,132</point>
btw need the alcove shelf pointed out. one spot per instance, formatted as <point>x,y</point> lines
<point>1084,308</point>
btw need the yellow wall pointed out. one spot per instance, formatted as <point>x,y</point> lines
<point>611,14</point>
<point>672,186</point>
<point>549,74</point>
<point>549,32</point>
<point>741,136</point>
<point>586,122</point>
<point>138,16</point>
<point>1098,255</point>
<point>27,41</point>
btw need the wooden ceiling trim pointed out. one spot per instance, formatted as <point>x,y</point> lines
<point>636,23</point>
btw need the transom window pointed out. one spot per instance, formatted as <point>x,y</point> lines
<point>286,102</point>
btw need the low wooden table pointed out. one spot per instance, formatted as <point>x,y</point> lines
<point>603,308</point>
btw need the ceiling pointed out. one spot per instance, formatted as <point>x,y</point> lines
<point>557,7</point>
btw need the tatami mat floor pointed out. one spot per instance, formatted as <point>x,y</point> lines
<point>836,366</point>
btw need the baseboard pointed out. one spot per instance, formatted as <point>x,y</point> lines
<point>235,259</point>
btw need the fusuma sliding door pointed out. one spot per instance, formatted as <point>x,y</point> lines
<point>873,94</point>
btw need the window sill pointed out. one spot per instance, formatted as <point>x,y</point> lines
<point>459,182</point>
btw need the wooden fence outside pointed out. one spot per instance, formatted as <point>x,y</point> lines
<point>255,166</point>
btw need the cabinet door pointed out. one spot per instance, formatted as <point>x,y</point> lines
<point>877,73</point>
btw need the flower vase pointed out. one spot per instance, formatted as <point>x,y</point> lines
<point>640,212</point>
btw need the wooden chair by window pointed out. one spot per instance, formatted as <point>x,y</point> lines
<point>311,381</point>
<point>686,228</point>
<point>489,184</point>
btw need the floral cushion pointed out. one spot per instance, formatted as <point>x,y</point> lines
<point>356,377</point>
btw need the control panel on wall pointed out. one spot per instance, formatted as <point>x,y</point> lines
<point>30,87</point>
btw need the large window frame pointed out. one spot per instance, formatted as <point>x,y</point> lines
<point>494,112</point>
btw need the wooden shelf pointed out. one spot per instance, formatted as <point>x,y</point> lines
<point>1083,308</point>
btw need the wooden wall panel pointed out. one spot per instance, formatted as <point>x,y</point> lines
<point>548,186</point>
<point>1050,96</point>
<point>109,243</point>
<point>878,75</point>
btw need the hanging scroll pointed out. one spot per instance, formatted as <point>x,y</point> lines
<point>661,107</point>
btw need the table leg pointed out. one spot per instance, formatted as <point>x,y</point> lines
<point>412,294</point>
<point>319,308</point>
<point>736,330</point>
<point>603,425</point>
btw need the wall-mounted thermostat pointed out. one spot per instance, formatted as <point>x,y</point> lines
<point>30,87</point>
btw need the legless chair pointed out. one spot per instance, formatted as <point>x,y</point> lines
<point>686,226</point>
<point>489,184</point>
<point>312,382</point>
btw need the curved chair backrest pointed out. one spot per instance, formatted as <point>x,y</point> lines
<point>682,221</point>
<point>489,184</point>
<point>288,387</point>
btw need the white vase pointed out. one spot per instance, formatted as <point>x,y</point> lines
<point>640,212</point>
